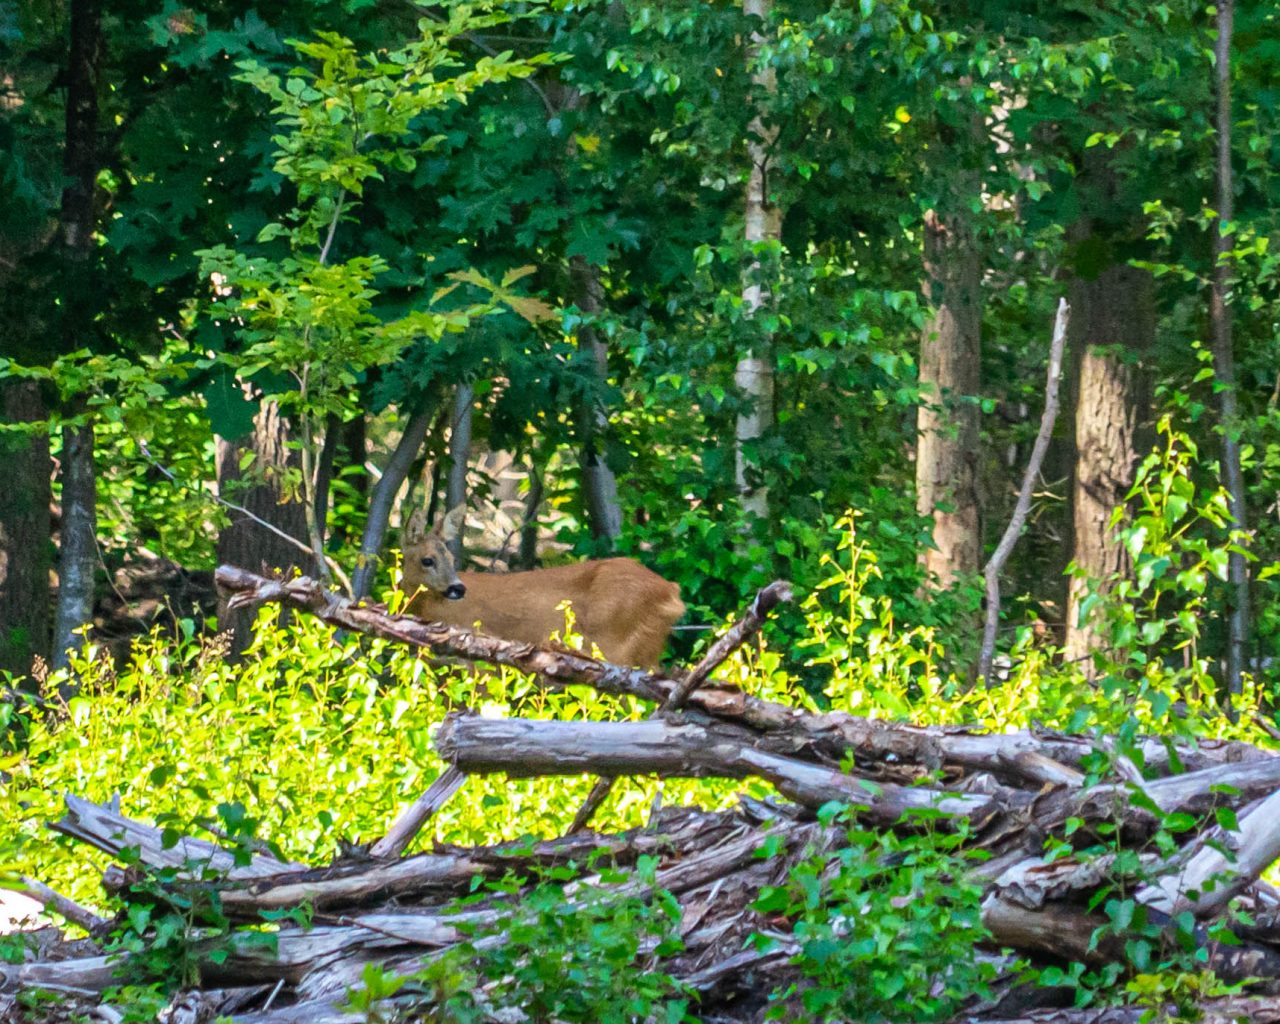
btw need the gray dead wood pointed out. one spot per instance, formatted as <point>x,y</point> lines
<point>410,823</point>
<point>1066,933</point>
<point>59,904</point>
<point>531,747</point>
<point>113,833</point>
<point>995,566</point>
<point>1222,865</point>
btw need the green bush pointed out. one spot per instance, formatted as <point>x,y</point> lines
<point>887,926</point>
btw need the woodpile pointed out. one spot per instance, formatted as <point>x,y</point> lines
<point>1008,796</point>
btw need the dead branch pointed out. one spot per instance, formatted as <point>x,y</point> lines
<point>1013,531</point>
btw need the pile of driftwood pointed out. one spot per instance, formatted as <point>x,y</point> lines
<point>1013,792</point>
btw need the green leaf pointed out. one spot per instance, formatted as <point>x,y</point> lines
<point>230,412</point>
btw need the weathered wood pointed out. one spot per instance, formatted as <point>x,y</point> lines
<point>358,884</point>
<point>418,813</point>
<point>529,747</point>
<point>1067,933</point>
<point>1209,879</point>
<point>113,833</point>
<point>59,904</point>
<point>766,600</point>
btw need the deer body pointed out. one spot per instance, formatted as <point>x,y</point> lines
<point>618,605</point>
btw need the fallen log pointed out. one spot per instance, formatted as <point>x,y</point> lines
<point>528,747</point>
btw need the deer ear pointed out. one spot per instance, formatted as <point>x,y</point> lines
<point>453,523</point>
<point>415,529</point>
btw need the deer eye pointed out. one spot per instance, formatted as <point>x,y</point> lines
<point>428,563</point>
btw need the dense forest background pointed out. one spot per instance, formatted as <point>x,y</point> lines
<point>687,281</point>
<point>960,317</point>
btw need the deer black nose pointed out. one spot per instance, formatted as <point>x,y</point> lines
<point>455,591</point>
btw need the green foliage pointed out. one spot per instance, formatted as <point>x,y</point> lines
<point>290,733</point>
<point>884,923</point>
<point>592,956</point>
<point>1179,537</point>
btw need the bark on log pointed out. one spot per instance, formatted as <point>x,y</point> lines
<point>527,747</point>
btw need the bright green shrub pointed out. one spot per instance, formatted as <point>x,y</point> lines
<point>321,740</point>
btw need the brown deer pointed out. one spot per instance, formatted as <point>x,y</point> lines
<point>618,605</point>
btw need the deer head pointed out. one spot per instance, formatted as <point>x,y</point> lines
<point>428,564</point>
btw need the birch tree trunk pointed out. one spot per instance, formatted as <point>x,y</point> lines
<point>77,556</point>
<point>753,373</point>
<point>599,484</point>
<point>947,441</point>
<point>1224,355</point>
<point>242,541</point>
<point>24,530</point>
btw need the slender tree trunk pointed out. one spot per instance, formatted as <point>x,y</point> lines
<point>947,426</point>
<point>384,496</point>
<point>77,557</point>
<point>324,472</point>
<point>26,468</point>
<point>459,458</point>
<point>78,549</point>
<point>1224,355</point>
<point>599,484</point>
<point>753,374</point>
<point>356,453</point>
<point>246,543</point>
<point>527,558</point>
<point>1113,327</point>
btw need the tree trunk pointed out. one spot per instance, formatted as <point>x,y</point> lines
<point>324,472</point>
<point>528,554</point>
<point>78,552</point>
<point>459,458</point>
<point>384,496</point>
<point>1224,356</point>
<point>1113,327</point>
<point>599,484</point>
<point>262,492</point>
<point>753,374</point>
<point>947,426</point>
<point>24,530</point>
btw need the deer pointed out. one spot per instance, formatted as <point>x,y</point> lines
<point>619,605</point>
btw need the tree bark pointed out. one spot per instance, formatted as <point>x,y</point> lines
<point>947,425</point>
<point>384,496</point>
<point>324,472</point>
<point>1224,355</point>
<point>242,541</point>
<point>599,484</point>
<point>1113,328</point>
<point>77,557</point>
<point>753,374</point>
<point>459,458</point>
<point>527,558</point>
<point>78,550</point>
<point>26,469</point>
